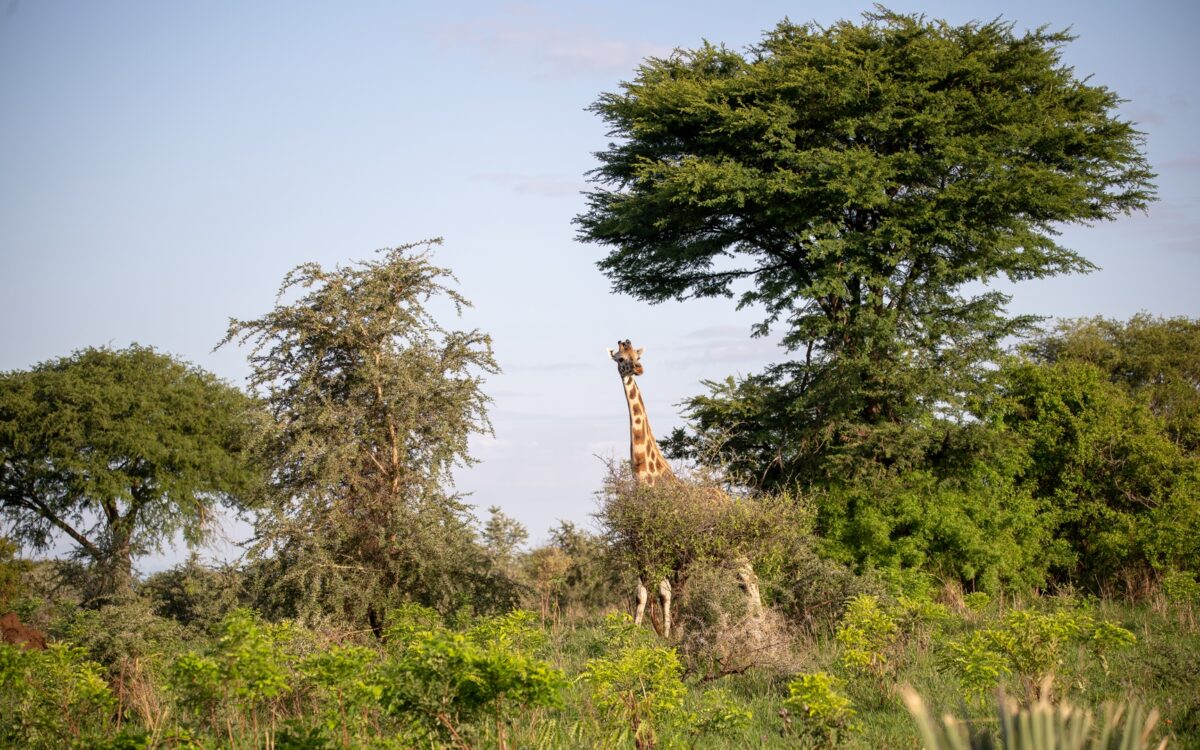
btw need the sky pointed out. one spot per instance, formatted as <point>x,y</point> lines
<point>163,164</point>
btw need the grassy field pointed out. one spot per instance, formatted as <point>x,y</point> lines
<point>124,677</point>
<point>1161,669</point>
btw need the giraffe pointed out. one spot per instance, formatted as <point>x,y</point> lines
<point>649,467</point>
<point>646,459</point>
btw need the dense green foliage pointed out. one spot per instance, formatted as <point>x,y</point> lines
<point>119,451</point>
<point>1120,496</point>
<point>54,699</point>
<point>1072,463</point>
<point>372,404</point>
<point>1156,360</point>
<point>512,681</point>
<point>851,181</point>
<point>822,712</point>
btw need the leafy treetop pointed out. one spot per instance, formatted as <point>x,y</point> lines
<point>119,450</point>
<point>852,181</point>
<point>373,402</point>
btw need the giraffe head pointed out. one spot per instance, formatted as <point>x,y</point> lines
<point>628,359</point>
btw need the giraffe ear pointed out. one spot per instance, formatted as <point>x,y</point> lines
<point>639,352</point>
<point>612,354</point>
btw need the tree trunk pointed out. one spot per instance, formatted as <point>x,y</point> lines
<point>116,570</point>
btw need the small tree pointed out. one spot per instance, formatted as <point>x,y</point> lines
<point>592,579</point>
<point>823,714</point>
<point>373,402</point>
<point>502,537</point>
<point>119,450</point>
<point>451,686</point>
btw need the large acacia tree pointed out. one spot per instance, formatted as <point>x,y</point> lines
<point>372,404</point>
<point>855,182</point>
<point>118,451</point>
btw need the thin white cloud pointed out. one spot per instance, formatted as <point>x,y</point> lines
<point>726,344</point>
<point>555,44</point>
<point>1143,117</point>
<point>720,332</point>
<point>554,186</point>
<point>1189,163</point>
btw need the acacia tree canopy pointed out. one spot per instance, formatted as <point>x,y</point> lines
<point>119,450</point>
<point>851,181</point>
<point>373,403</point>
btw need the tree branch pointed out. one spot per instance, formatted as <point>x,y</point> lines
<point>42,510</point>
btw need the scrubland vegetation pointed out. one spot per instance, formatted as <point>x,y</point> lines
<point>188,663</point>
<point>949,511</point>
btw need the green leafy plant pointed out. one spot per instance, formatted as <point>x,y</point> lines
<point>1105,637</point>
<point>53,698</point>
<point>1035,643</point>
<point>1180,587</point>
<point>866,633</point>
<point>980,666</point>
<point>236,683</point>
<point>824,713</point>
<point>519,630</point>
<point>718,714</point>
<point>451,687</point>
<point>346,689</point>
<point>1031,646</point>
<point>977,601</point>
<point>636,682</point>
<point>408,619</point>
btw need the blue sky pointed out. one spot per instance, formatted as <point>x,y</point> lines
<point>164,164</point>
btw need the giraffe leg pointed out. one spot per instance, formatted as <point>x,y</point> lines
<point>664,599</point>
<point>641,596</point>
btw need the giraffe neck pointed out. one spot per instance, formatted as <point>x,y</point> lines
<point>647,460</point>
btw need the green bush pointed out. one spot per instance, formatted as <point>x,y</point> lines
<point>653,529</point>
<point>344,691</point>
<point>1121,493</point>
<point>1180,587</point>
<point>969,520</point>
<point>445,686</point>
<point>54,698</point>
<point>824,714</point>
<point>717,713</point>
<point>867,634</point>
<point>812,590</point>
<point>977,601</point>
<point>194,594</point>
<point>1030,646</point>
<point>237,683</point>
<point>638,684</point>
<point>979,664</point>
